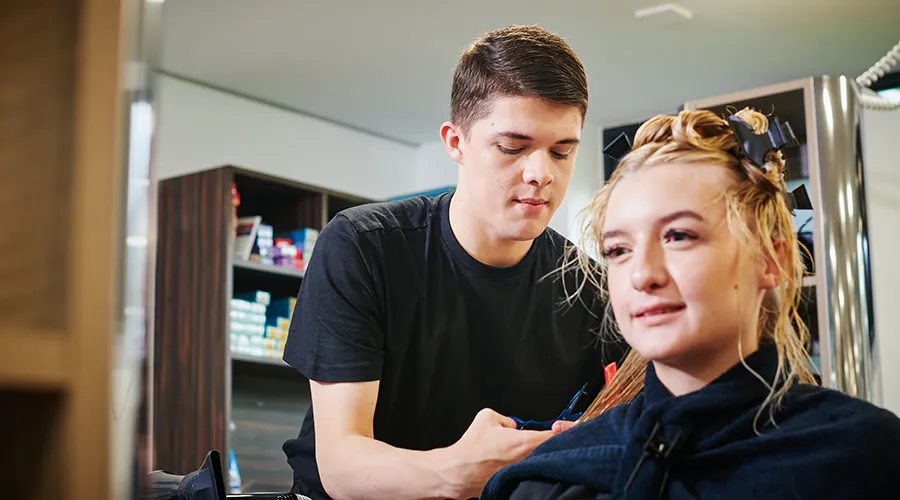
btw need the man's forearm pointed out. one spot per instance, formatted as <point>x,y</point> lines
<point>359,467</point>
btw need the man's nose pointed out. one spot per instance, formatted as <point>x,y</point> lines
<point>538,169</point>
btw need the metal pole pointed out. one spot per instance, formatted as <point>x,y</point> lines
<point>841,239</point>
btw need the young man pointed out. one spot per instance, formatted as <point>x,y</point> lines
<point>424,324</point>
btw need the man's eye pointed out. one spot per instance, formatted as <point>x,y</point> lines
<point>508,151</point>
<point>559,156</point>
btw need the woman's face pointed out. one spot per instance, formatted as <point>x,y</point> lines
<point>683,291</point>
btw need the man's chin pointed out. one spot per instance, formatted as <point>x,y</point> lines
<point>528,230</point>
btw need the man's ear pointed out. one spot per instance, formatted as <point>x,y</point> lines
<point>452,138</point>
<point>771,277</point>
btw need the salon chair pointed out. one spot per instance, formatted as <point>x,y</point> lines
<point>205,483</point>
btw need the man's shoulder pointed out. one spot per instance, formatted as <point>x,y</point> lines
<point>558,245</point>
<point>554,240</point>
<point>408,214</point>
<point>563,260</point>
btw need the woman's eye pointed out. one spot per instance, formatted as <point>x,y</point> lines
<point>613,252</point>
<point>677,236</point>
<point>508,151</point>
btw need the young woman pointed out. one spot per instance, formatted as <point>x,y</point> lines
<point>716,398</point>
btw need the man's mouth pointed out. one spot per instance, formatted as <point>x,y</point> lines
<point>532,201</point>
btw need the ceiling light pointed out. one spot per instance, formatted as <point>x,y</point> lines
<point>664,10</point>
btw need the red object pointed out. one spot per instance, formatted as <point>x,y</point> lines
<point>609,371</point>
<point>235,202</point>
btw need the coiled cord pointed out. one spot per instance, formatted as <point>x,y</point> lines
<point>870,99</point>
<point>879,69</point>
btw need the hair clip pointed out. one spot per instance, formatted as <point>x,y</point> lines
<point>756,146</point>
<point>798,199</point>
<point>619,147</point>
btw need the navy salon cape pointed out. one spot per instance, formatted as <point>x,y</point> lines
<point>824,445</point>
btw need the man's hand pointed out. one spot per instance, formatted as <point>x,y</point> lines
<point>490,443</point>
<point>563,425</point>
<point>354,465</point>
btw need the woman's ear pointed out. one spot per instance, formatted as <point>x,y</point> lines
<point>770,276</point>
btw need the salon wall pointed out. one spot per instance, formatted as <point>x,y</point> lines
<point>200,128</point>
<point>882,177</point>
<point>585,183</point>
<point>434,167</point>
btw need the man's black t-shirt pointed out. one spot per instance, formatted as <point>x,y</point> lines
<point>390,295</point>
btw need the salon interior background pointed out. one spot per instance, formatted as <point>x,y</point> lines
<point>349,95</point>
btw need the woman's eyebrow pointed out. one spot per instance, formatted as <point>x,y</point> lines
<point>681,214</point>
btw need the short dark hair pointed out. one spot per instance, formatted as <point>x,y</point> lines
<point>519,61</point>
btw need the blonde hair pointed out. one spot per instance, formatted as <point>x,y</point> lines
<point>757,214</point>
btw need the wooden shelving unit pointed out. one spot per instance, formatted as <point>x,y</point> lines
<point>201,387</point>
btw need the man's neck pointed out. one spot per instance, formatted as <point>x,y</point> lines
<point>477,239</point>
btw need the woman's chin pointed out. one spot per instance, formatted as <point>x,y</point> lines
<point>666,354</point>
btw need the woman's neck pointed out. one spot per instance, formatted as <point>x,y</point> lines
<point>478,240</point>
<point>700,370</point>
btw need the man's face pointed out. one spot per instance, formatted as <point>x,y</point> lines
<point>515,165</point>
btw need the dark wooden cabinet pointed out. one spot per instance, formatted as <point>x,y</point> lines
<point>204,396</point>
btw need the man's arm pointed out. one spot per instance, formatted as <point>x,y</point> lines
<point>336,341</point>
<point>352,464</point>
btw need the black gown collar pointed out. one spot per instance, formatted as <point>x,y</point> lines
<point>764,362</point>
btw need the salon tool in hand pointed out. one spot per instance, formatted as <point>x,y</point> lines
<point>567,414</point>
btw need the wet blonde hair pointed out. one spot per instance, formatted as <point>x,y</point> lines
<point>757,215</point>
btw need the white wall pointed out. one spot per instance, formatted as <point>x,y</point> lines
<point>586,181</point>
<point>434,167</point>
<point>882,179</point>
<point>200,128</point>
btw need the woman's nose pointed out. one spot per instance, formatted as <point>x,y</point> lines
<point>648,270</point>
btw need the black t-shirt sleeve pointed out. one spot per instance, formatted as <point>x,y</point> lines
<point>335,333</point>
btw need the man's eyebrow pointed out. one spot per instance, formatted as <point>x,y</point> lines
<point>523,137</point>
